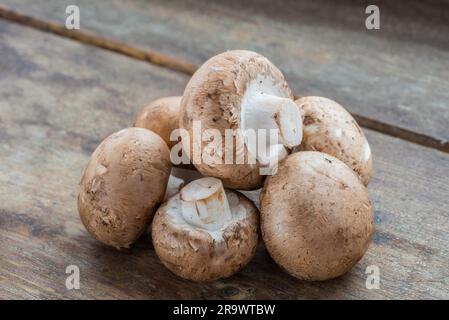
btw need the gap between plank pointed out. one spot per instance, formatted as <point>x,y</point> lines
<point>179,65</point>
<point>94,40</point>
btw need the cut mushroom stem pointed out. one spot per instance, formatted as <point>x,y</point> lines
<point>266,111</point>
<point>270,112</point>
<point>204,204</point>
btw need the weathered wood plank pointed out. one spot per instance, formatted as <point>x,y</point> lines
<point>395,79</point>
<point>59,98</point>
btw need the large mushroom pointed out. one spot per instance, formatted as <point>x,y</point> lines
<point>243,92</point>
<point>122,186</point>
<point>329,128</point>
<point>316,217</point>
<point>205,232</point>
<point>160,116</point>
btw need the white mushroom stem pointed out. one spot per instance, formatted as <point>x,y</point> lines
<point>261,110</point>
<point>266,111</point>
<point>204,204</point>
<point>274,154</point>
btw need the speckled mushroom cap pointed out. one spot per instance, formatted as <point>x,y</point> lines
<point>316,217</point>
<point>204,255</point>
<point>214,96</point>
<point>160,116</point>
<point>329,128</point>
<point>122,185</point>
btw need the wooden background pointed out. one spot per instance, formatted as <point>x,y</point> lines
<point>62,92</point>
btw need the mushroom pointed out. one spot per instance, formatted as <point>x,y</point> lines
<point>242,92</point>
<point>316,217</point>
<point>329,128</point>
<point>205,232</point>
<point>122,186</point>
<point>160,116</point>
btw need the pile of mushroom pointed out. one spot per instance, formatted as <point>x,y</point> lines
<point>316,218</point>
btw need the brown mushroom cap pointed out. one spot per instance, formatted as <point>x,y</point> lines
<point>160,116</point>
<point>316,217</point>
<point>329,128</point>
<point>214,96</point>
<point>122,185</point>
<point>203,255</point>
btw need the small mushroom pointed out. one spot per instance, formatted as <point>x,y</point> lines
<point>205,232</point>
<point>160,116</point>
<point>122,186</point>
<point>316,217</point>
<point>241,91</point>
<point>329,128</point>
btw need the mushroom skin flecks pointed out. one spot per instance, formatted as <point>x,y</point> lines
<point>160,116</point>
<point>211,246</point>
<point>122,186</point>
<point>316,216</point>
<point>239,90</point>
<point>329,128</point>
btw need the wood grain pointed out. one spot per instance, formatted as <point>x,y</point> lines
<point>97,41</point>
<point>394,79</point>
<point>59,99</point>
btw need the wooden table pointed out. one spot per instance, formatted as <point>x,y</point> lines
<point>63,91</point>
